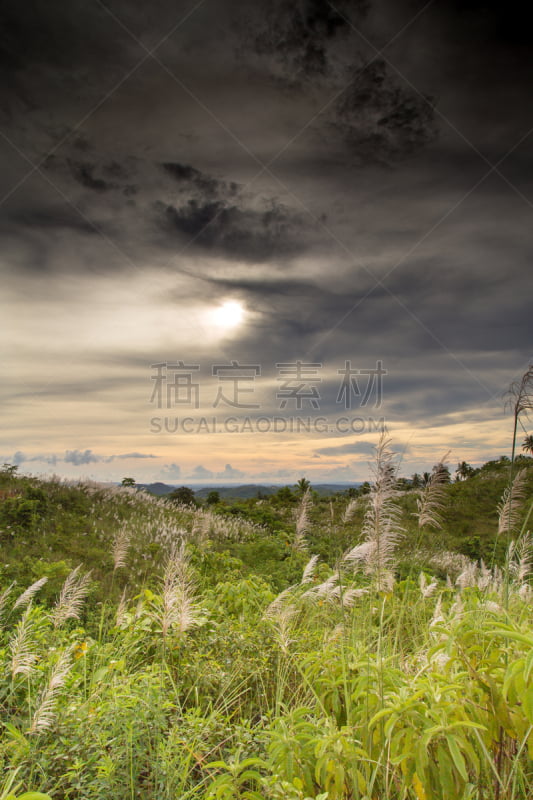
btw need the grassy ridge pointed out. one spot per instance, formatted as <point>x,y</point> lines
<point>205,653</point>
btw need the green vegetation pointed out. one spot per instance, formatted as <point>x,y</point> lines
<point>374,644</point>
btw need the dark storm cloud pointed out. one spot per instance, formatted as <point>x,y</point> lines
<point>205,185</point>
<point>380,118</point>
<point>377,116</point>
<point>220,217</point>
<point>298,35</point>
<point>45,218</point>
<point>166,184</point>
<point>84,174</point>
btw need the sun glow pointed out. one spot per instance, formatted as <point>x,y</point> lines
<point>228,315</point>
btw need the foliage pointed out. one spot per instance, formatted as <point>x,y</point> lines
<point>155,649</point>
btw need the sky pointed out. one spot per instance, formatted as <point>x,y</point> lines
<point>239,239</point>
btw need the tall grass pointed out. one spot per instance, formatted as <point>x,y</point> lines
<point>353,683</point>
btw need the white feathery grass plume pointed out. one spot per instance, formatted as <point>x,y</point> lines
<point>283,626</point>
<point>27,595</point>
<point>381,526</point>
<point>180,610</point>
<point>326,588</point>
<point>511,503</point>
<point>439,659</point>
<point>120,616</point>
<point>335,634</point>
<point>451,563</point>
<point>121,545</point>
<point>302,522</point>
<point>458,607</point>
<point>359,554</point>
<point>202,524</point>
<point>45,712</point>
<point>468,576</point>
<point>496,584</point>
<point>493,607</point>
<point>384,580</point>
<point>520,558</point>
<point>351,595</point>
<point>278,603</point>
<point>438,615</point>
<point>280,614</point>
<point>426,589</point>
<point>525,592</point>
<point>432,497</point>
<point>3,599</point>
<point>71,597</point>
<point>347,597</point>
<point>484,576</point>
<point>349,511</point>
<point>309,570</point>
<point>22,646</point>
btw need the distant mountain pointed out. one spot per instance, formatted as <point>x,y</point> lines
<point>241,492</point>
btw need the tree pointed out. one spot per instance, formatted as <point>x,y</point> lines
<point>527,445</point>
<point>416,480</point>
<point>464,471</point>
<point>183,495</point>
<point>443,471</point>
<point>520,400</point>
<point>128,482</point>
<point>284,495</point>
<point>7,471</point>
<point>302,486</point>
<point>213,498</point>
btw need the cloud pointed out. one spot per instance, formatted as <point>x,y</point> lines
<point>349,447</point>
<point>78,457</point>
<point>84,174</point>
<point>230,473</point>
<point>135,455</point>
<point>316,46</point>
<point>46,218</point>
<point>301,38</point>
<point>381,118</point>
<point>201,472</point>
<point>187,176</point>
<point>171,471</point>
<point>219,217</point>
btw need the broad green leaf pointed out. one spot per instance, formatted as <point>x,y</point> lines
<point>457,756</point>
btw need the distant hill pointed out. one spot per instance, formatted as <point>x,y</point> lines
<point>241,492</point>
<point>158,488</point>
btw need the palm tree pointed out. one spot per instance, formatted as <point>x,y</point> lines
<point>464,471</point>
<point>527,444</point>
<point>302,486</point>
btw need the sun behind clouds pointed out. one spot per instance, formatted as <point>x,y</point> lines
<point>228,315</point>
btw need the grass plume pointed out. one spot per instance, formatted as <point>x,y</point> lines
<point>71,598</point>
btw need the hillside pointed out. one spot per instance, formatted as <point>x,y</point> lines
<point>300,647</point>
<point>243,492</point>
